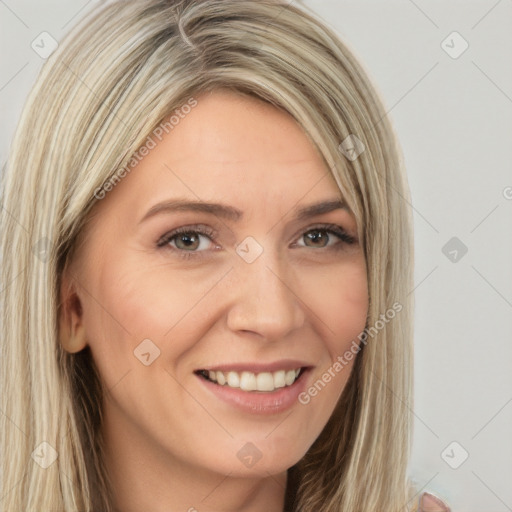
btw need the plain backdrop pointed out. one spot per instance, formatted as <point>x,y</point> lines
<point>443,69</point>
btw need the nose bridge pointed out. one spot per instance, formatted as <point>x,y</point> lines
<point>264,301</point>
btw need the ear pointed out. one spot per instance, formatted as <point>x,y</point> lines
<point>71,327</point>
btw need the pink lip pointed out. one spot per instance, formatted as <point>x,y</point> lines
<point>259,402</point>
<point>284,364</point>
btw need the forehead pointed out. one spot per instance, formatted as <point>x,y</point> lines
<point>234,149</point>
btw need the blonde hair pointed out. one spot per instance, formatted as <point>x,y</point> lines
<point>99,96</point>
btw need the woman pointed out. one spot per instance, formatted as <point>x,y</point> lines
<point>207,301</point>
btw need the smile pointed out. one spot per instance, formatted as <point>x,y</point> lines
<point>256,388</point>
<point>249,381</point>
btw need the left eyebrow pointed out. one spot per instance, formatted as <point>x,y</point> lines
<point>234,214</point>
<point>319,208</point>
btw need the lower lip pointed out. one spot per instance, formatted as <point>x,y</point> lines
<point>259,402</point>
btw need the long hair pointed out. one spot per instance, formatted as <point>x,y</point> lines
<point>109,84</point>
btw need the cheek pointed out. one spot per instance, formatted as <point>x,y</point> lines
<point>340,300</point>
<point>132,302</point>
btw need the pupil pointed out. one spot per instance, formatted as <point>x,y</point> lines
<point>316,236</point>
<point>188,239</point>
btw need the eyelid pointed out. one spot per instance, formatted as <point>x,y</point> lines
<point>344,238</point>
<point>338,230</point>
<point>196,228</point>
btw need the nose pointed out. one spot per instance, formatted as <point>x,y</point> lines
<point>265,299</point>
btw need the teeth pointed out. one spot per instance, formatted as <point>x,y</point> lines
<point>233,380</point>
<point>248,381</point>
<point>279,379</point>
<point>220,378</point>
<point>289,377</point>
<point>265,382</point>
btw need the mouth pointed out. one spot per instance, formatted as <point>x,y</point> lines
<point>265,381</point>
<point>256,388</point>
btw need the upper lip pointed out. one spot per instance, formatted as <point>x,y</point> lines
<point>274,366</point>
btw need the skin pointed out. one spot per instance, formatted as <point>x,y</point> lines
<point>171,444</point>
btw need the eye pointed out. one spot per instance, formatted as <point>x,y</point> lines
<point>321,236</point>
<point>187,240</point>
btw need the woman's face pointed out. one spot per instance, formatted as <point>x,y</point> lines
<point>253,291</point>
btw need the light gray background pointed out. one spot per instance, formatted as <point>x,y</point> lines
<point>453,117</point>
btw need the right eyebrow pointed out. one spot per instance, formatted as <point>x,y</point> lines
<point>174,205</point>
<point>234,214</point>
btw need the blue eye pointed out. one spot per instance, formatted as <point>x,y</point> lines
<point>186,241</point>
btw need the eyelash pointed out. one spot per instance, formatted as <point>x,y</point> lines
<point>163,243</point>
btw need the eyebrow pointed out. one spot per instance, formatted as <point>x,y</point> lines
<point>234,214</point>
